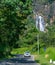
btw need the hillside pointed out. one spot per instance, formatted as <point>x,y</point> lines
<point>46,8</point>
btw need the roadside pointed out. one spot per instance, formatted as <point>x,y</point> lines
<point>42,60</point>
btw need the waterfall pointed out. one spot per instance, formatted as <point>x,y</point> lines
<point>40,23</point>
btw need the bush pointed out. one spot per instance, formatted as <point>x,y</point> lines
<point>51,52</point>
<point>42,51</point>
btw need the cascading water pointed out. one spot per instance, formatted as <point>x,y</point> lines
<point>40,23</point>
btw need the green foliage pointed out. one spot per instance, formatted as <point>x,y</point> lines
<point>17,26</point>
<point>42,51</point>
<point>51,52</point>
<point>13,16</point>
<point>48,38</point>
<point>29,36</point>
<point>19,50</point>
<point>51,34</point>
<point>42,60</point>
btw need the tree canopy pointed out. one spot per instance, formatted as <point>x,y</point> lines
<point>13,16</point>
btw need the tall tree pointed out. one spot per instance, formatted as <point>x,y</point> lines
<point>13,15</point>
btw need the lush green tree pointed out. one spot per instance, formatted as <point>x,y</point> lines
<point>13,16</point>
<point>29,36</point>
<point>48,38</point>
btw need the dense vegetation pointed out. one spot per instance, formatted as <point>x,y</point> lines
<point>17,27</point>
<point>13,16</point>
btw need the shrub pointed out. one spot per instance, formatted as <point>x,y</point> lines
<point>51,52</point>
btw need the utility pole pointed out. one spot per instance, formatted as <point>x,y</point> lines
<point>38,43</point>
<point>40,25</point>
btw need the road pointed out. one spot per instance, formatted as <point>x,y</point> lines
<point>19,60</point>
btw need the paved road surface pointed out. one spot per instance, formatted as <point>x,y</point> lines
<point>19,60</point>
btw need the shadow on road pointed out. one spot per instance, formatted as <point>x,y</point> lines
<point>19,59</point>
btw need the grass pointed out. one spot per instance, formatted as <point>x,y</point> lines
<point>22,50</point>
<point>19,50</point>
<point>51,52</point>
<point>44,57</point>
<point>42,60</point>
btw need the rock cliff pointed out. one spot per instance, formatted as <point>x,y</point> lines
<point>46,9</point>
